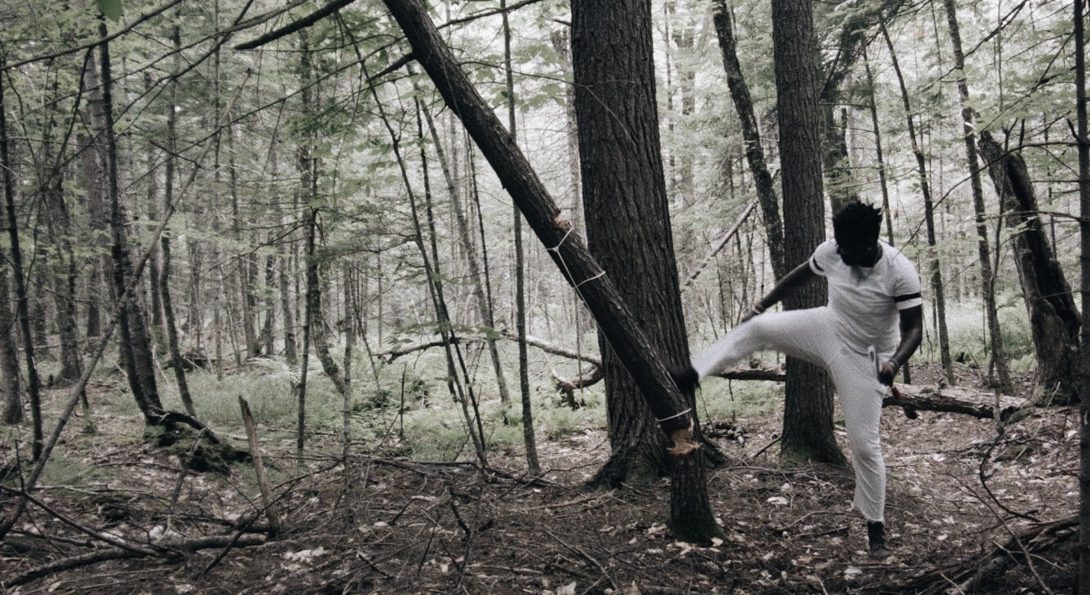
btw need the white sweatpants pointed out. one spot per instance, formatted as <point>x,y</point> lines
<point>811,335</point>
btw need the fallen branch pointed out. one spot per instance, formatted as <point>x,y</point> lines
<point>550,348</point>
<point>175,551</point>
<point>952,400</point>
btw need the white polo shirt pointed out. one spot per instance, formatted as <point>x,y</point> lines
<point>866,300</point>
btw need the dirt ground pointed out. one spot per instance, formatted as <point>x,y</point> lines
<point>391,525</point>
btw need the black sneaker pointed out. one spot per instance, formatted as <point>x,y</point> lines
<point>686,379</point>
<point>876,540</point>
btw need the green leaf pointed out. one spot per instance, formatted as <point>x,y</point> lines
<point>110,8</point>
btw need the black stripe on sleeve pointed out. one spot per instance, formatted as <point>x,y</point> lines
<point>906,297</point>
<point>817,266</point>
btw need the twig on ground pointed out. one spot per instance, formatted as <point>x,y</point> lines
<point>583,553</point>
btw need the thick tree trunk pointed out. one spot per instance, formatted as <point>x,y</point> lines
<point>934,263</point>
<point>291,355</point>
<point>755,157</point>
<point>1053,315</point>
<point>1002,380</point>
<point>1083,140</point>
<point>628,225</point>
<point>808,410</point>
<point>626,336</point>
<point>627,215</point>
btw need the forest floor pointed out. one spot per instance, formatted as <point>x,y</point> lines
<point>390,524</point>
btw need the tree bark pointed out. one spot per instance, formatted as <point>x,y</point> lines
<point>570,255</point>
<point>808,407</point>
<point>20,285</point>
<point>245,267</point>
<point>307,186</point>
<point>1083,141</point>
<point>1002,380</point>
<point>9,363</point>
<point>751,135</point>
<point>1053,315</point>
<point>163,280</point>
<point>134,340</point>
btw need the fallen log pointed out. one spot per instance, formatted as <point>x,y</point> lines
<point>977,403</point>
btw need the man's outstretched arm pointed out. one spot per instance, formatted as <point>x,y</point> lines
<point>798,277</point>
<point>911,336</point>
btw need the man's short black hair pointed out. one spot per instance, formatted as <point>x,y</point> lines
<point>857,223</point>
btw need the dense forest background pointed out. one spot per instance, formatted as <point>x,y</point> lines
<point>239,227</point>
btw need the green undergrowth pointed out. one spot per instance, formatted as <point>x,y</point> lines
<point>409,411</point>
<point>969,343</point>
<point>720,399</point>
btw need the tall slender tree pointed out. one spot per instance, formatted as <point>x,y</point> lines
<point>934,264</point>
<point>9,365</point>
<point>520,269</point>
<point>1002,376</point>
<point>751,135</point>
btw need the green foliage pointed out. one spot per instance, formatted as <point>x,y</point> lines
<point>968,341</point>
<point>272,399</point>
<point>720,399</point>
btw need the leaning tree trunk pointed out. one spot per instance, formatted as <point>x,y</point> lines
<point>808,410</point>
<point>689,506</point>
<point>934,263</point>
<point>1053,315</point>
<point>1002,378</point>
<point>751,135</point>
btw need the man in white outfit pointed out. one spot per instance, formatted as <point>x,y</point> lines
<point>874,292</point>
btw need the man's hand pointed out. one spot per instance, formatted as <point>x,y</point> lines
<point>887,371</point>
